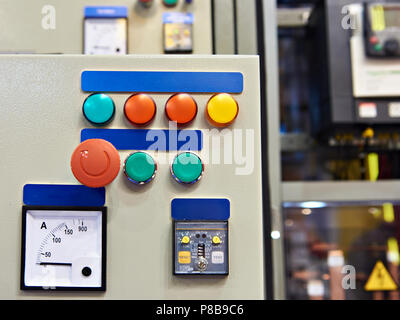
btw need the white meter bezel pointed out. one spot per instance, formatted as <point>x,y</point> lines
<point>96,41</point>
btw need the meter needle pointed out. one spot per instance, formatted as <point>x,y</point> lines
<point>55,264</point>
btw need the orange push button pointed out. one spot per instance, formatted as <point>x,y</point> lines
<point>222,110</point>
<point>181,108</point>
<point>95,163</point>
<point>140,109</point>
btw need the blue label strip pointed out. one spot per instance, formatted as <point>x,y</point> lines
<point>63,195</point>
<point>200,209</point>
<point>162,81</point>
<point>178,17</point>
<point>144,139</point>
<point>106,12</point>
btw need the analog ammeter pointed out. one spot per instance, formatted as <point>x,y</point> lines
<point>105,30</point>
<point>63,248</point>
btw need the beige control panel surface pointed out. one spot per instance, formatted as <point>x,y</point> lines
<point>40,128</point>
<point>57,26</point>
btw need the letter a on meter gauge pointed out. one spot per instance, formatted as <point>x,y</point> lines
<point>63,248</point>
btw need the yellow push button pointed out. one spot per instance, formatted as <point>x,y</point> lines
<point>222,110</point>
<point>216,240</point>
<point>185,240</point>
<point>184,257</point>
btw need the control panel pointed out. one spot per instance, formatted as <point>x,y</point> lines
<point>178,32</point>
<point>373,77</point>
<point>122,175</point>
<point>201,247</point>
<point>106,27</point>
<point>382,29</point>
<point>370,70</point>
<point>359,81</point>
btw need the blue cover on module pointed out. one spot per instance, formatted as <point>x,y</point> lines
<point>200,209</point>
<point>106,12</point>
<point>63,195</point>
<point>147,139</point>
<point>178,17</point>
<point>161,81</point>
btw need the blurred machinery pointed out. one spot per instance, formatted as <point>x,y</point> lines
<point>339,69</point>
<point>338,88</point>
<point>332,248</point>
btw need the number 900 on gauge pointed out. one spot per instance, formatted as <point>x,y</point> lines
<point>63,248</point>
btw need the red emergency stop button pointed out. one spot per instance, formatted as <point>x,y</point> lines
<point>181,108</point>
<point>95,163</point>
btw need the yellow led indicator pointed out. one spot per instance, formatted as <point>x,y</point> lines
<point>388,212</point>
<point>378,18</point>
<point>185,240</point>
<point>393,255</point>
<point>372,166</point>
<point>216,240</point>
<point>368,133</point>
<point>380,279</point>
<point>170,42</point>
<point>184,257</point>
<point>222,110</point>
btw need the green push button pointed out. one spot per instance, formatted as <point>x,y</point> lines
<point>170,3</point>
<point>187,168</point>
<point>378,47</point>
<point>140,168</point>
<point>98,109</point>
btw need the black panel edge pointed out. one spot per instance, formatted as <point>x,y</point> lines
<point>269,287</point>
<point>213,25</point>
<point>235,28</point>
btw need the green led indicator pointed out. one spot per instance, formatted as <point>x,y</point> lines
<point>187,168</point>
<point>170,3</point>
<point>140,168</point>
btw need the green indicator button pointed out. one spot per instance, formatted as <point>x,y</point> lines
<point>378,47</point>
<point>187,168</point>
<point>98,109</point>
<point>170,3</point>
<point>140,168</point>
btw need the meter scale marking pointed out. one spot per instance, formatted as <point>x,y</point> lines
<point>44,242</point>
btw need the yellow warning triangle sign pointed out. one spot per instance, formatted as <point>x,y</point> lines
<point>380,279</point>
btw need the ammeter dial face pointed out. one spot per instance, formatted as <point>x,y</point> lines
<point>63,248</point>
<point>105,36</point>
